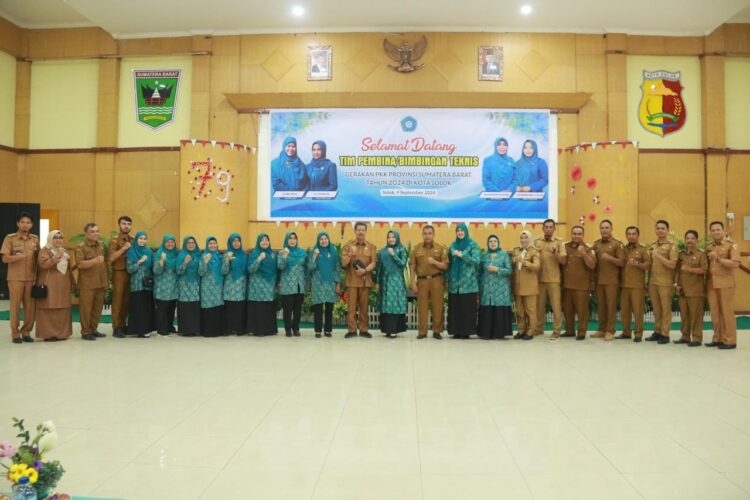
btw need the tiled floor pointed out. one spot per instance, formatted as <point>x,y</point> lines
<point>273,418</point>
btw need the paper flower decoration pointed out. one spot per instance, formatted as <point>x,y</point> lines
<point>572,190</point>
<point>596,200</point>
<point>607,209</point>
<point>592,217</point>
<point>591,182</point>
<point>582,220</point>
<point>576,172</point>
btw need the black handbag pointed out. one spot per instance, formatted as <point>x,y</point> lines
<point>148,282</point>
<point>39,291</point>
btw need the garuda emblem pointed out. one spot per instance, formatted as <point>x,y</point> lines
<point>405,55</point>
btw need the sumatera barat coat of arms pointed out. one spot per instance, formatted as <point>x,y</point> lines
<point>156,96</point>
<point>662,110</point>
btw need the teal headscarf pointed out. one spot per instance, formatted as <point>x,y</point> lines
<point>136,251</point>
<point>386,259</point>
<point>267,269</point>
<point>328,260</point>
<point>171,260</point>
<point>214,264</point>
<point>238,266</point>
<point>296,255</point>
<point>191,270</point>
<point>498,170</point>
<point>288,173</point>
<point>460,245</point>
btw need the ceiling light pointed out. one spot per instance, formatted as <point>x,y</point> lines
<point>526,10</point>
<point>298,11</point>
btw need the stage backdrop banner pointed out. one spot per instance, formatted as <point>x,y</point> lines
<point>410,164</point>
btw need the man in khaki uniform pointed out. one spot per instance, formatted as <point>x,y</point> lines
<point>723,258</point>
<point>552,254</point>
<point>19,251</point>
<point>427,263</point>
<point>577,280</point>
<point>359,258</point>
<point>690,285</point>
<point>118,247</point>
<point>610,257</point>
<point>633,284</point>
<point>664,256</point>
<point>93,280</point>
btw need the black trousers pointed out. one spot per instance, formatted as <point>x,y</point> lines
<point>165,316</point>
<point>318,311</point>
<point>292,309</point>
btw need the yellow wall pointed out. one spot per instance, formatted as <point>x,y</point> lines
<point>132,133</point>
<point>7,98</point>
<point>64,102</point>
<point>689,67</point>
<point>737,79</point>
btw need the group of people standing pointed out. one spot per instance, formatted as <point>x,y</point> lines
<point>234,292</point>
<point>500,172</point>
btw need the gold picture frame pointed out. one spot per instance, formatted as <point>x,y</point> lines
<point>319,62</point>
<point>490,63</point>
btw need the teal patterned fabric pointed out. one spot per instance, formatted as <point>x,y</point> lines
<point>495,286</point>
<point>234,289</point>
<point>187,289</point>
<point>137,273</point>
<point>469,266</point>
<point>165,282</point>
<point>392,292</point>
<point>259,289</point>
<point>293,278</point>
<point>211,291</point>
<point>323,290</point>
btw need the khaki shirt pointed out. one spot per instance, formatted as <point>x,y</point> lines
<point>550,271</point>
<point>634,276</point>
<point>367,253</point>
<point>95,276</point>
<point>693,285</point>
<point>660,274</point>
<point>420,254</point>
<point>526,279</point>
<point>606,272</point>
<point>115,245</point>
<point>720,276</point>
<point>14,244</point>
<point>577,275</point>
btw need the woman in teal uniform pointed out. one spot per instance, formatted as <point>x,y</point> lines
<point>165,285</point>
<point>261,289</point>
<point>212,290</point>
<point>389,277</point>
<point>188,288</point>
<point>140,260</point>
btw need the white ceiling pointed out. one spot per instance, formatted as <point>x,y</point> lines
<point>143,18</point>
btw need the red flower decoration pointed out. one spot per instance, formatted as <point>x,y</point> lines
<point>591,182</point>
<point>592,217</point>
<point>576,172</point>
<point>607,209</point>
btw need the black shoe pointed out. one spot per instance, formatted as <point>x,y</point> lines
<point>288,334</point>
<point>89,336</point>
<point>144,336</point>
<point>366,335</point>
<point>622,336</point>
<point>653,337</point>
<point>27,338</point>
<point>663,340</point>
<point>18,341</point>
<point>51,339</point>
<point>350,335</point>
<point>327,334</point>
<point>637,339</point>
<point>420,337</point>
<point>99,335</point>
<point>680,341</point>
<point>693,344</point>
<point>727,346</point>
<point>163,334</point>
<point>566,334</point>
<point>390,335</point>
<point>526,336</point>
<point>437,336</point>
<point>518,335</point>
<point>317,335</point>
<point>119,334</point>
<point>580,337</point>
<point>713,344</point>
<point>296,333</point>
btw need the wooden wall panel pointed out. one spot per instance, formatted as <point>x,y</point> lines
<point>738,202</point>
<point>10,38</point>
<point>9,173</point>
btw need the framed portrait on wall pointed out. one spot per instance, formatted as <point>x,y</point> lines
<point>490,63</point>
<point>320,62</point>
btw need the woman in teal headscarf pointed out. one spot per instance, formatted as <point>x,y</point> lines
<point>261,289</point>
<point>498,168</point>
<point>165,285</point>
<point>292,282</point>
<point>532,173</point>
<point>234,266</point>
<point>188,284</point>
<point>321,171</point>
<point>325,276</point>
<point>391,304</point>
<point>463,285</point>
<point>288,172</point>
<point>140,260</point>
<point>495,313</point>
<point>212,287</point>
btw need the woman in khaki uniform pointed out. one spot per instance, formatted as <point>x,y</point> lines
<point>526,265</point>
<point>53,319</point>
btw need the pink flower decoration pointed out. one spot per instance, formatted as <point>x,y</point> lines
<point>576,172</point>
<point>607,209</point>
<point>591,182</point>
<point>592,217</point>
<point>6,450</point>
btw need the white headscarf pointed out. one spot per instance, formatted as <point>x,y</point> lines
<point>62,266</point>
